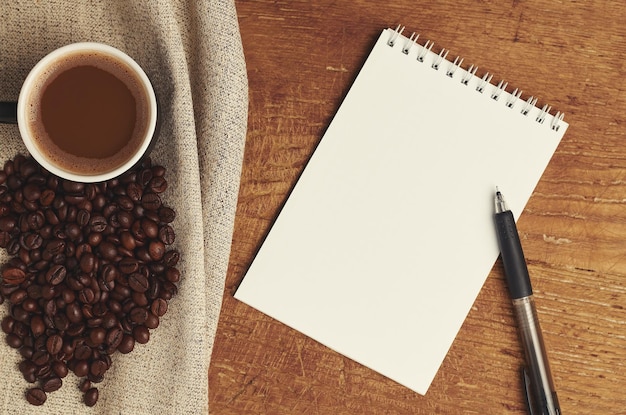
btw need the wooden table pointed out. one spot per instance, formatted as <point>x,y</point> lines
<point>302,56</point>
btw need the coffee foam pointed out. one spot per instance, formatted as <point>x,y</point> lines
<point>70,162</point>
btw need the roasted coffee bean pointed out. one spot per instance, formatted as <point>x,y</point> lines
<point>127,344</point>
<point>47,197</point>
<point>141,334</point>
<point>156,250</point>
<point>107,250</point>
<point>41,357</point>
<point>54,344</point>
<point>138,315</point>
<point>171,258</point>
<point>35,220</point>
<point>52,384</point>
<point>138,282</point>
<point>7,324</point>
<point>144,177</point>
<point>134,191</point>
<point>36,396</point>
<point>82,352</point>
<point>167,235</point>
<point>151,201</point>
<point>172,274</point>
<point>158,170</point>
<point>18,296</point>
<point>14,341</point>
<point>31,241</point>
<point>114,337</point>
<point>81,368</point>
<point>97,223</point>
<point>158,184</point>
<point>73,313</point>
<point>56,274</point>
<point>7,223</point>
<point>87,262</point>
<point>152,321</point>
<point>98,368</point>
<point>150,228</point>
<point>37,325</point>
<point>159,307</point>
<point>87,296</point>
<point>85,385</point>
<point>27,367</point>
<point>30,305</point>
<point>91,397</point>
<point>59,368</point>
<point>13,276</point>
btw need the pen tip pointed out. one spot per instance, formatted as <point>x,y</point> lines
<point>500,204</point>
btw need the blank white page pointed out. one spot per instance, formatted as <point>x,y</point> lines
<point>388,236</point>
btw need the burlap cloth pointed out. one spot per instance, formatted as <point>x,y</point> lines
<point>191,50</point>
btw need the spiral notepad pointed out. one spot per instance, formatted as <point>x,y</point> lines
<point>388,235</point>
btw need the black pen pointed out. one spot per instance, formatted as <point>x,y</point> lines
<point>537,379</point>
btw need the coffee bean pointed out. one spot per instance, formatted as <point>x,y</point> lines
<point>7,324</point>
<point>138,282</point>
<point>167,235</point>
<point>87,262</point>
<point>37,326</point>
<point>156,250</point>
<point>59,368</point>
<point>91,397</point>
<point>36,396</point>
<point>85,385</point>
<point>141,334</point>
<point>35,220</point>
<point>47,197</point>
<point>151,201</point>
<point>127,344</point>
<point>152,321</point>
<point>98,368</point>
<point>72,187</point>
<point>13,276</point>
<point>138,315</point>
<point>82,352</point>
<point>18,296</point>
<point>171,258</point>
<point>114,337</point>
<point>52,384</point>
<point>31,241</point>
<point>41,357</point>
<point>159,307</point>
<point>167,214</point>
<point>172,274</point>
<point>107,250</point>
<point>81,368</point>
<point>14,341</point>
<point>56,274</point>
<point>54,344</point>
<point>73,313</point>
<point>158,184</point>
<point>98,223</point>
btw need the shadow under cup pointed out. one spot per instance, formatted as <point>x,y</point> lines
<point>87,112</point>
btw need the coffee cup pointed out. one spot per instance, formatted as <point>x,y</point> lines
<point>86,112</point>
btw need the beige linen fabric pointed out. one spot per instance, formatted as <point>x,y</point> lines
<point>191,50</point>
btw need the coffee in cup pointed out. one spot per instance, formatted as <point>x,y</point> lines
<point>87,112</point>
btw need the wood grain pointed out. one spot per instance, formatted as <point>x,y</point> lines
<point>302,57</point>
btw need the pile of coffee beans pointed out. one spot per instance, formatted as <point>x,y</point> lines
<point>90,272</point>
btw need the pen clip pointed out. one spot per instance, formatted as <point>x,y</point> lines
<point>527,391</point>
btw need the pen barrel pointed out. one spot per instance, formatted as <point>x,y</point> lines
<point>544,399</point>
<point>515,268</point>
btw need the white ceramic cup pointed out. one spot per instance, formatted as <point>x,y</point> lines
<point>28,99</point>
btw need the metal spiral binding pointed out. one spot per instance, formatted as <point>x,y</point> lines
<point>470,73</point>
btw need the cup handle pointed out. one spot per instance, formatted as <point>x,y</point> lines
<point>8,112</point>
